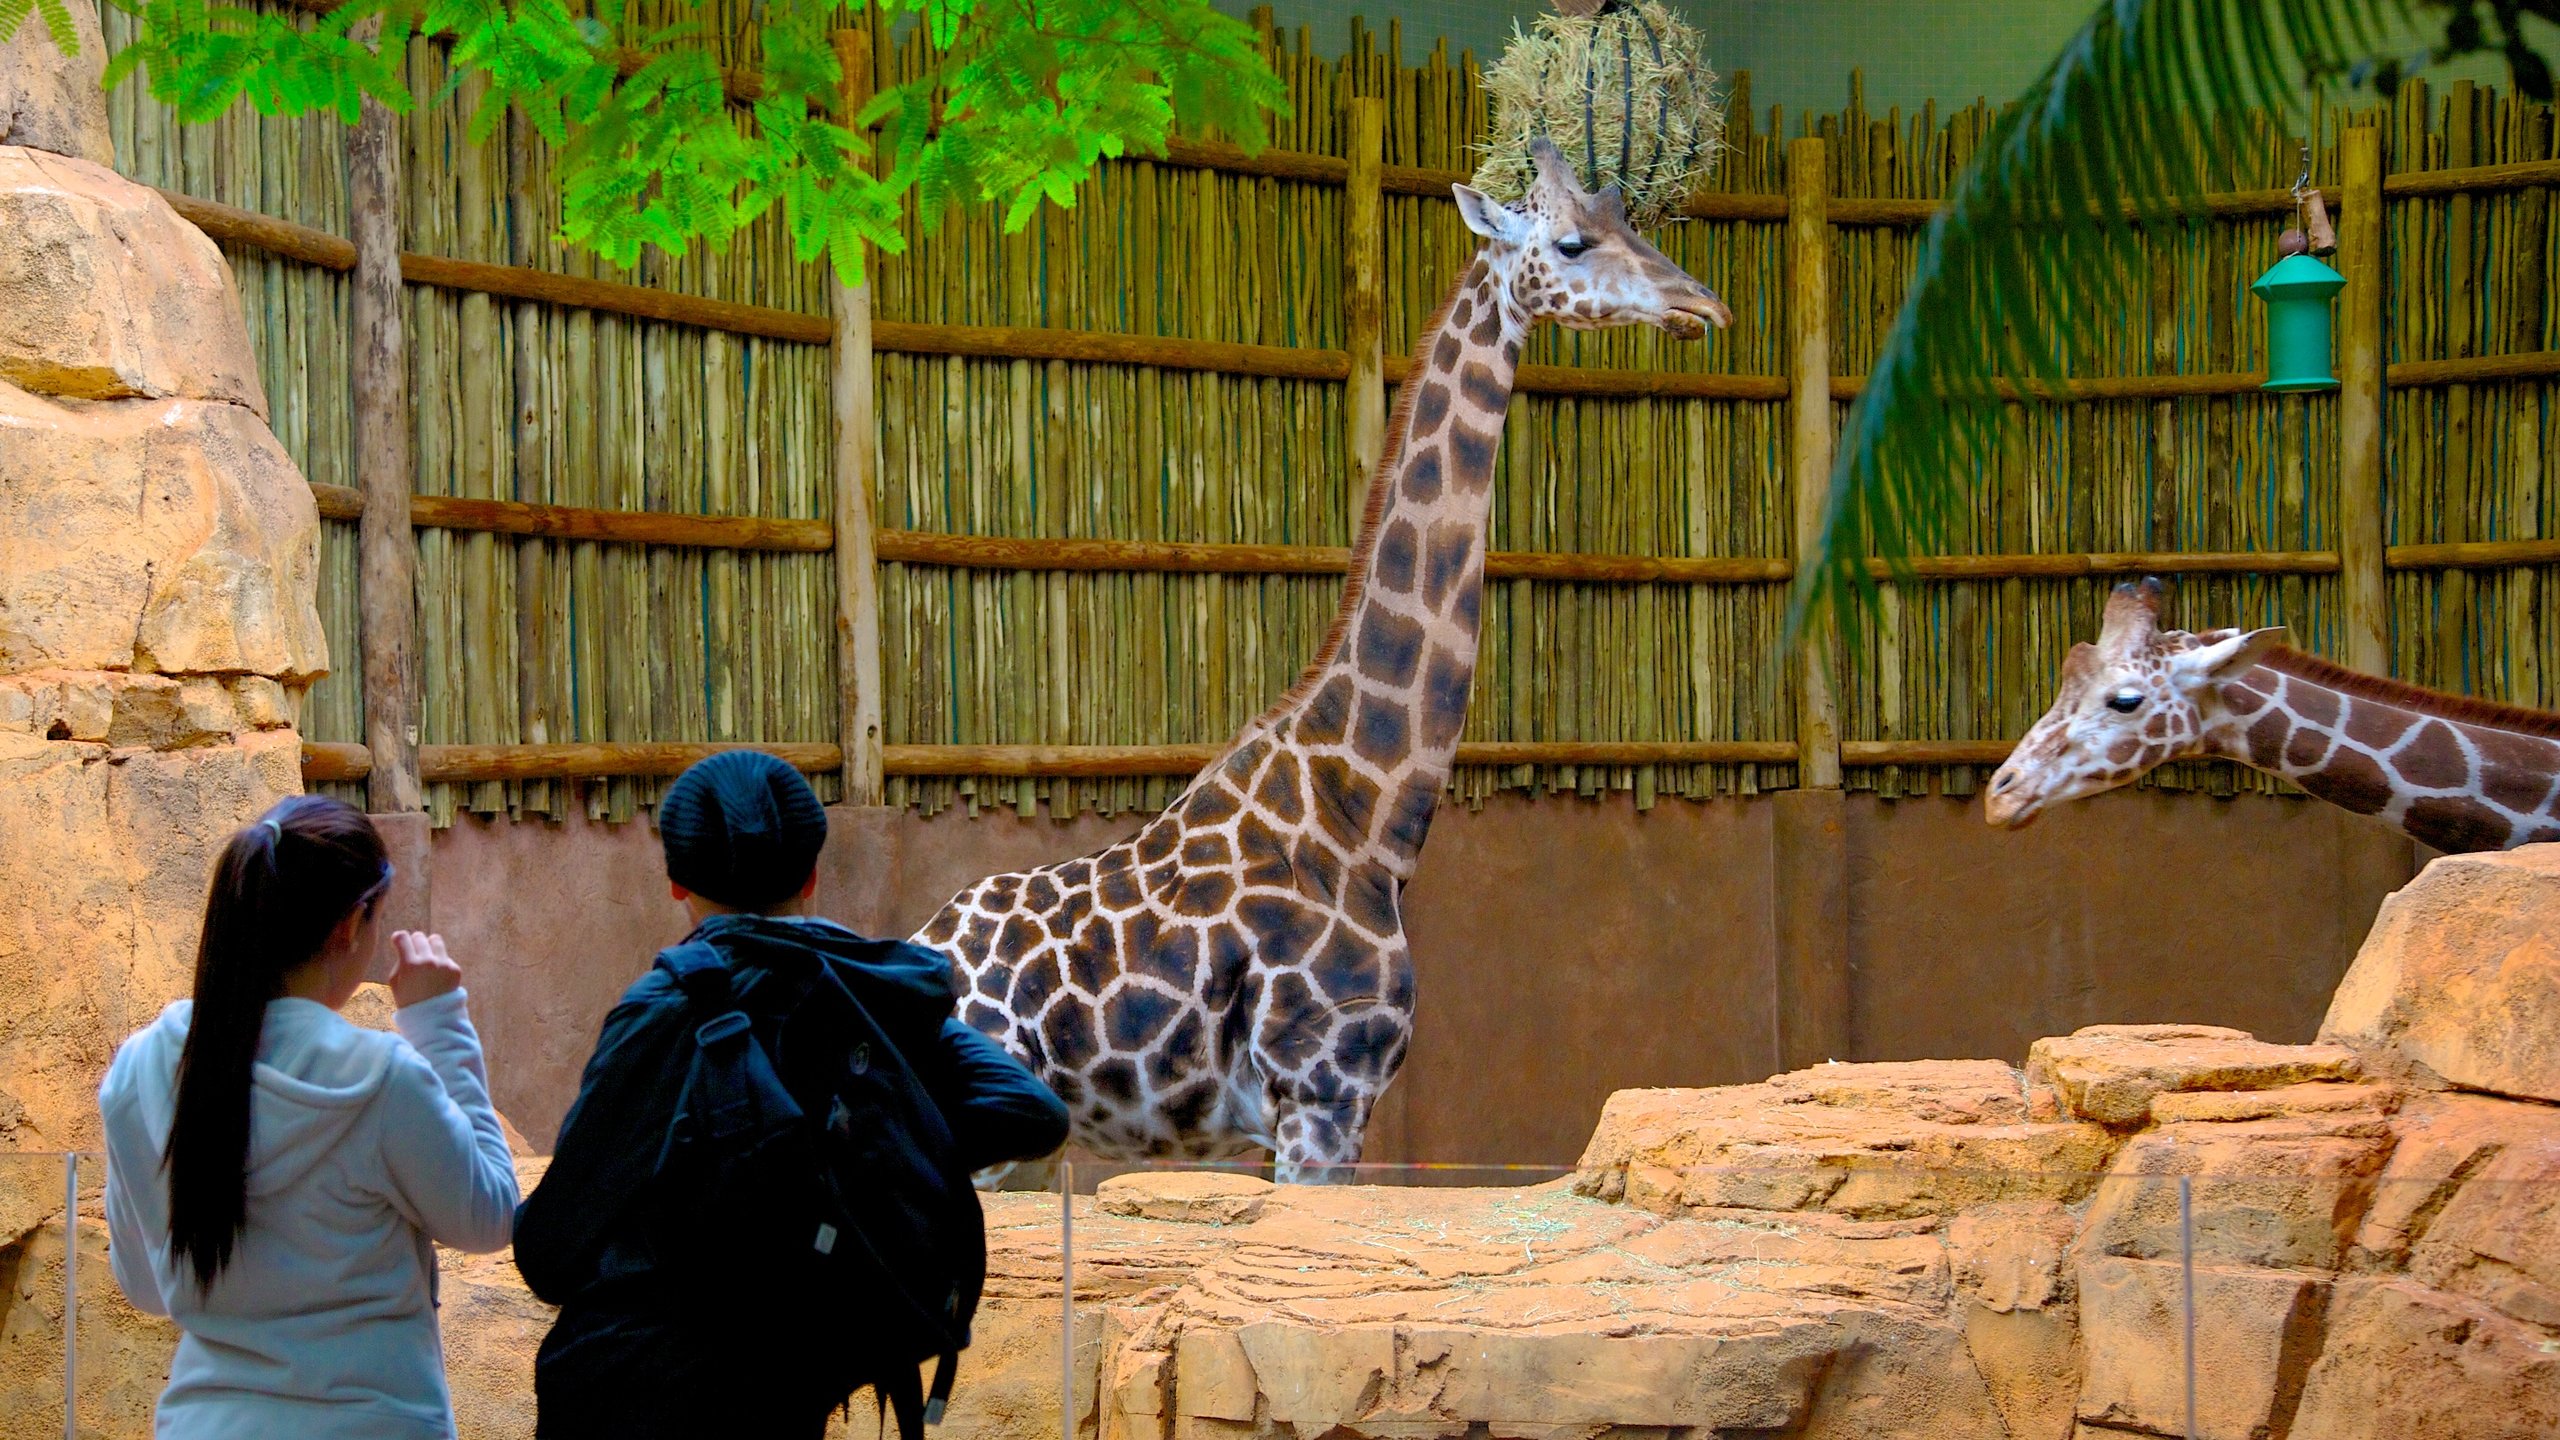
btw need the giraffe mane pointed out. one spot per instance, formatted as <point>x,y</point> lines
<point>2463,709</point>
<point>1364,545</point>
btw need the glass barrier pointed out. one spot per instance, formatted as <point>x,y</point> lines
<point>2319,1283</point>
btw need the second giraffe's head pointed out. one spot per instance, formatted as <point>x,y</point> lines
<point>2139,698</point>
<point>1570,256</point>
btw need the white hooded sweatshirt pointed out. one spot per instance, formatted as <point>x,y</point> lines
<point>364,1148</point>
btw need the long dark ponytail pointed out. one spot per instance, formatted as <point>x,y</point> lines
<point>281,886</point>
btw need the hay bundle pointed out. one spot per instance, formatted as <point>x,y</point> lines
<point>1623,90</point>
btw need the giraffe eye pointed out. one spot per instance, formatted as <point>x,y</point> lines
<point>2125,701</point>
<point>1572,247</point>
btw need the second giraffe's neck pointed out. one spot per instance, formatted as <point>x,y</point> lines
<point>2440,769</point>
<point>1393,679</point>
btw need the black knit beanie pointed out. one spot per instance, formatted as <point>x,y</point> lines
<point>742,829</point>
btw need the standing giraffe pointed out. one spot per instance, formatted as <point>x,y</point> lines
<point>2448,770</point>
<point>1234,976</point>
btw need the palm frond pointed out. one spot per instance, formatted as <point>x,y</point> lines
<point>2034,244</point>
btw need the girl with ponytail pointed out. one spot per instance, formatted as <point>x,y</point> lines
<point>276,1175</point>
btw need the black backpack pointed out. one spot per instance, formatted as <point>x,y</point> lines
<point>824,1222</point>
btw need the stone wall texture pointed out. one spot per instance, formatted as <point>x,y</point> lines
<point>158,557</point>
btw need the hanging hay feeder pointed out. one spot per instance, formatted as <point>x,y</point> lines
<point>1623,89</point>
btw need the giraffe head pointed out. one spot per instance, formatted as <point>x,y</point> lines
<point>1570,256</point>
<point>2140,697</point>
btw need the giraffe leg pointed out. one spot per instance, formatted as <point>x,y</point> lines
<point>1319,1142</point>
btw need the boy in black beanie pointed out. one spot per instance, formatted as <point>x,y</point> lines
<point>651,1339</point>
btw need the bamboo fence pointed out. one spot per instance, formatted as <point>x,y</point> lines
<point>1157,377</point>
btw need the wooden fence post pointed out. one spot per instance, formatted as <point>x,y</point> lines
<point>1809,840</point>
<point>1364,318</point>
<point>2363,588</point>
<point>386,555</point>
<point>2525,300</point>
<point>857,451</point>
<point>1809,407</point>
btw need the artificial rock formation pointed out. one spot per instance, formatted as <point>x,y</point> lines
<point>1931,1250</point>
<point>158,561</point>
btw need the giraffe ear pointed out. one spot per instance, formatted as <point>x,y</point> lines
<point>1488,217</point>
<point>2227,659</point>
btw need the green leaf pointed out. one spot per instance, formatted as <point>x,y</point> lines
<point>2033,246</point>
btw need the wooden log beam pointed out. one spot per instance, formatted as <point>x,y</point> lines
<point>2364,591</point>
<point>324,760</point>
<point>2474,555</point>
<point>2473,369</point>
<point>338,502</point>
<point>1810,441</point>
<point>2413,184</point>
<point>1006,342</point>
<point>627,527</point>
<point>1363,297</point>
<point>230,225</point>
<point>612,296</point>
<point>992,552</point>
<point>1270,164</point>
<point>599,760</point>
<point>1871,753</point>
<point>860,706</point>
<point>2053,567</point>
<point>386,553</point>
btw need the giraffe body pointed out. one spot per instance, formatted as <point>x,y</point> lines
<point>1235,977</point>
<point>2455,773</point>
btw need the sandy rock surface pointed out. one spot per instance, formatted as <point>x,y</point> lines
<point>2459,982</point>
<point>106,294</point>
<point>51,101</point>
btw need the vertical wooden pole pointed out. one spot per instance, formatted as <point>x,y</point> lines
<point>535,636</point>
<point>1809,403</point>
<point>2164,413</point>
<point>857,456</point>
<point>1364,304</point>
<point>386,554</point>
<point>2364,593</point>
<point>1809,837</point>
<point>2525,450</point>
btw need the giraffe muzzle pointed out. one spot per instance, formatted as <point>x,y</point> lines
<point>2010,804</point>
<point>1691,316</point>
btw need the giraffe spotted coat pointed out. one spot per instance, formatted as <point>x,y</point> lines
<point>2456,773</point>
<point>1235,976</point>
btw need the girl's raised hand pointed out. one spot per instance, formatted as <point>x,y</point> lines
<point>420,968</point>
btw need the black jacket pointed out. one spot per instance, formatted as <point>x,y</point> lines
<point>577,1237</point>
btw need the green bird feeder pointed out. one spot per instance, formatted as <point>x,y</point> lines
<point>2297,290</point>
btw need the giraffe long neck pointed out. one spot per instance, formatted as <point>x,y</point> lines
<point>2415,760</point>
<point>1379,712</point>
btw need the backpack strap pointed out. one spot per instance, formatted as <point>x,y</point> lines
<point>698,970</point>
<point>736,1089</point>
<point>945,1366</point>
<point>903,1388</point>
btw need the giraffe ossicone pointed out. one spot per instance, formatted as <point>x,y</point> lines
<point>2454,772</point>
<point>1234,977</point>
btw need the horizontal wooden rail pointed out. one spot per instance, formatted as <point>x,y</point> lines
<point>1002,552</point>
<point>569,522</point>
<point>2067,566</point>
<point>339,761</point>
<point>328,761</point>
<point>994,552</point>
<point>2526,365</point>
<point>997,342</point>
<point>1870,753</point>
<point>2473,555</point>
<point>1106,760</point>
